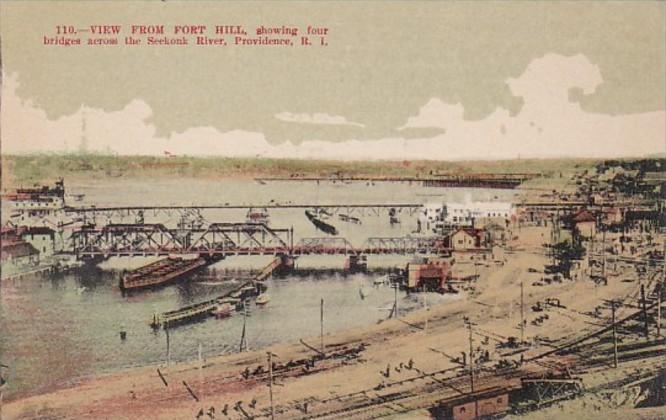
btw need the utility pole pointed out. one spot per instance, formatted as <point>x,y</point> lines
<point>425,305</point>
<point>201,383</point>
<point>645,318</point>
<point>591,252</point>
<point>613,303</point>
<point>395,302</point>
<point>2,385</point>
<point>471,366</point>
<point>168,344</point>
<point>243,340</point>
<point>659,313</point>
<point>603,252</point>
<point>321,326</point>
<point>270,383</point>
<point>660,289</point>
<point>522,312</point>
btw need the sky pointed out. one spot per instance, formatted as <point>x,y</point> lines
<point>415,80</point>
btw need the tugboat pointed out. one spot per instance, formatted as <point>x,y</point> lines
<point>257,215</point>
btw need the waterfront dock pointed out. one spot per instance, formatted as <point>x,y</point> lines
<point>202,310</point>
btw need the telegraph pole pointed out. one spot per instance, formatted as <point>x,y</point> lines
<point>659,313</point>
<point>522,312</point>
<point>395,301</point>
<point>660,290</point>
<point>425,305</point>
<point>243,340</point>
<point>471,366</point>
<point>201,382</point>
<point>270,383</point>
<point>645,318</point>
<point>603,252</point>
<point>321,326</point>
<point>613,303</point>
<point>168,344</point>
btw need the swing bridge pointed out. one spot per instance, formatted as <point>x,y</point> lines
<point>219,240</point>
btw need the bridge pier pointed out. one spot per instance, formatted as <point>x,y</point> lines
<point>356,263</point>
<point>287,263</point>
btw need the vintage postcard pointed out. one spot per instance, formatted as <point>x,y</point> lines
<point>332,209</point>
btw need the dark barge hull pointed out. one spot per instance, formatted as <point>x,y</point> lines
<point>160,273</point>
<point>323,226</point>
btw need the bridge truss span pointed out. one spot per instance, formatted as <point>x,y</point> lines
<point>219,240</point>
<point>214,240</point>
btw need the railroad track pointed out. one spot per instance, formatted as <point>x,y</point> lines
<point>438,388</point>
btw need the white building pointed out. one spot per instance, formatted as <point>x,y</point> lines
<point>40,237</point>
<point>465,214</point>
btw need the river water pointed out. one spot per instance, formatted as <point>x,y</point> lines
<point>58,328</point>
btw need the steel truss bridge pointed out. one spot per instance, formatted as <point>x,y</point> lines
<point>219,240</point>
<point>135,213</point>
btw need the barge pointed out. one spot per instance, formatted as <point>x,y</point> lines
<point>160,272</point>
<point>320,224</point>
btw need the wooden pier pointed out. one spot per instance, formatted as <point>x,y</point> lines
<point>470,180</point>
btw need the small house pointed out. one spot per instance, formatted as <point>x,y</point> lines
<point>429,274</point>
<point>465,239</point>
<point>585,223</point>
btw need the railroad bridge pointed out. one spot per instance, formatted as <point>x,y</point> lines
<point>219,240</point>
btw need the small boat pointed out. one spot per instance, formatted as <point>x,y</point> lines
<point>76,197</point>
<point>257,215</point>
<point>350,219</point>
<point>381,280</point>
<point>262,299</point>
<point>393,217</point>
<point>223,310</point>
<point>323,214</point>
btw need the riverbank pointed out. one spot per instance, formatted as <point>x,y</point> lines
<point>39,168</point>
<point>492,304</point>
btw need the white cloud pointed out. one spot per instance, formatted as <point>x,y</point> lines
<point>435,114</point>
<point>316,118</point>
<point>26,129</point>
<point>547,125</point>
